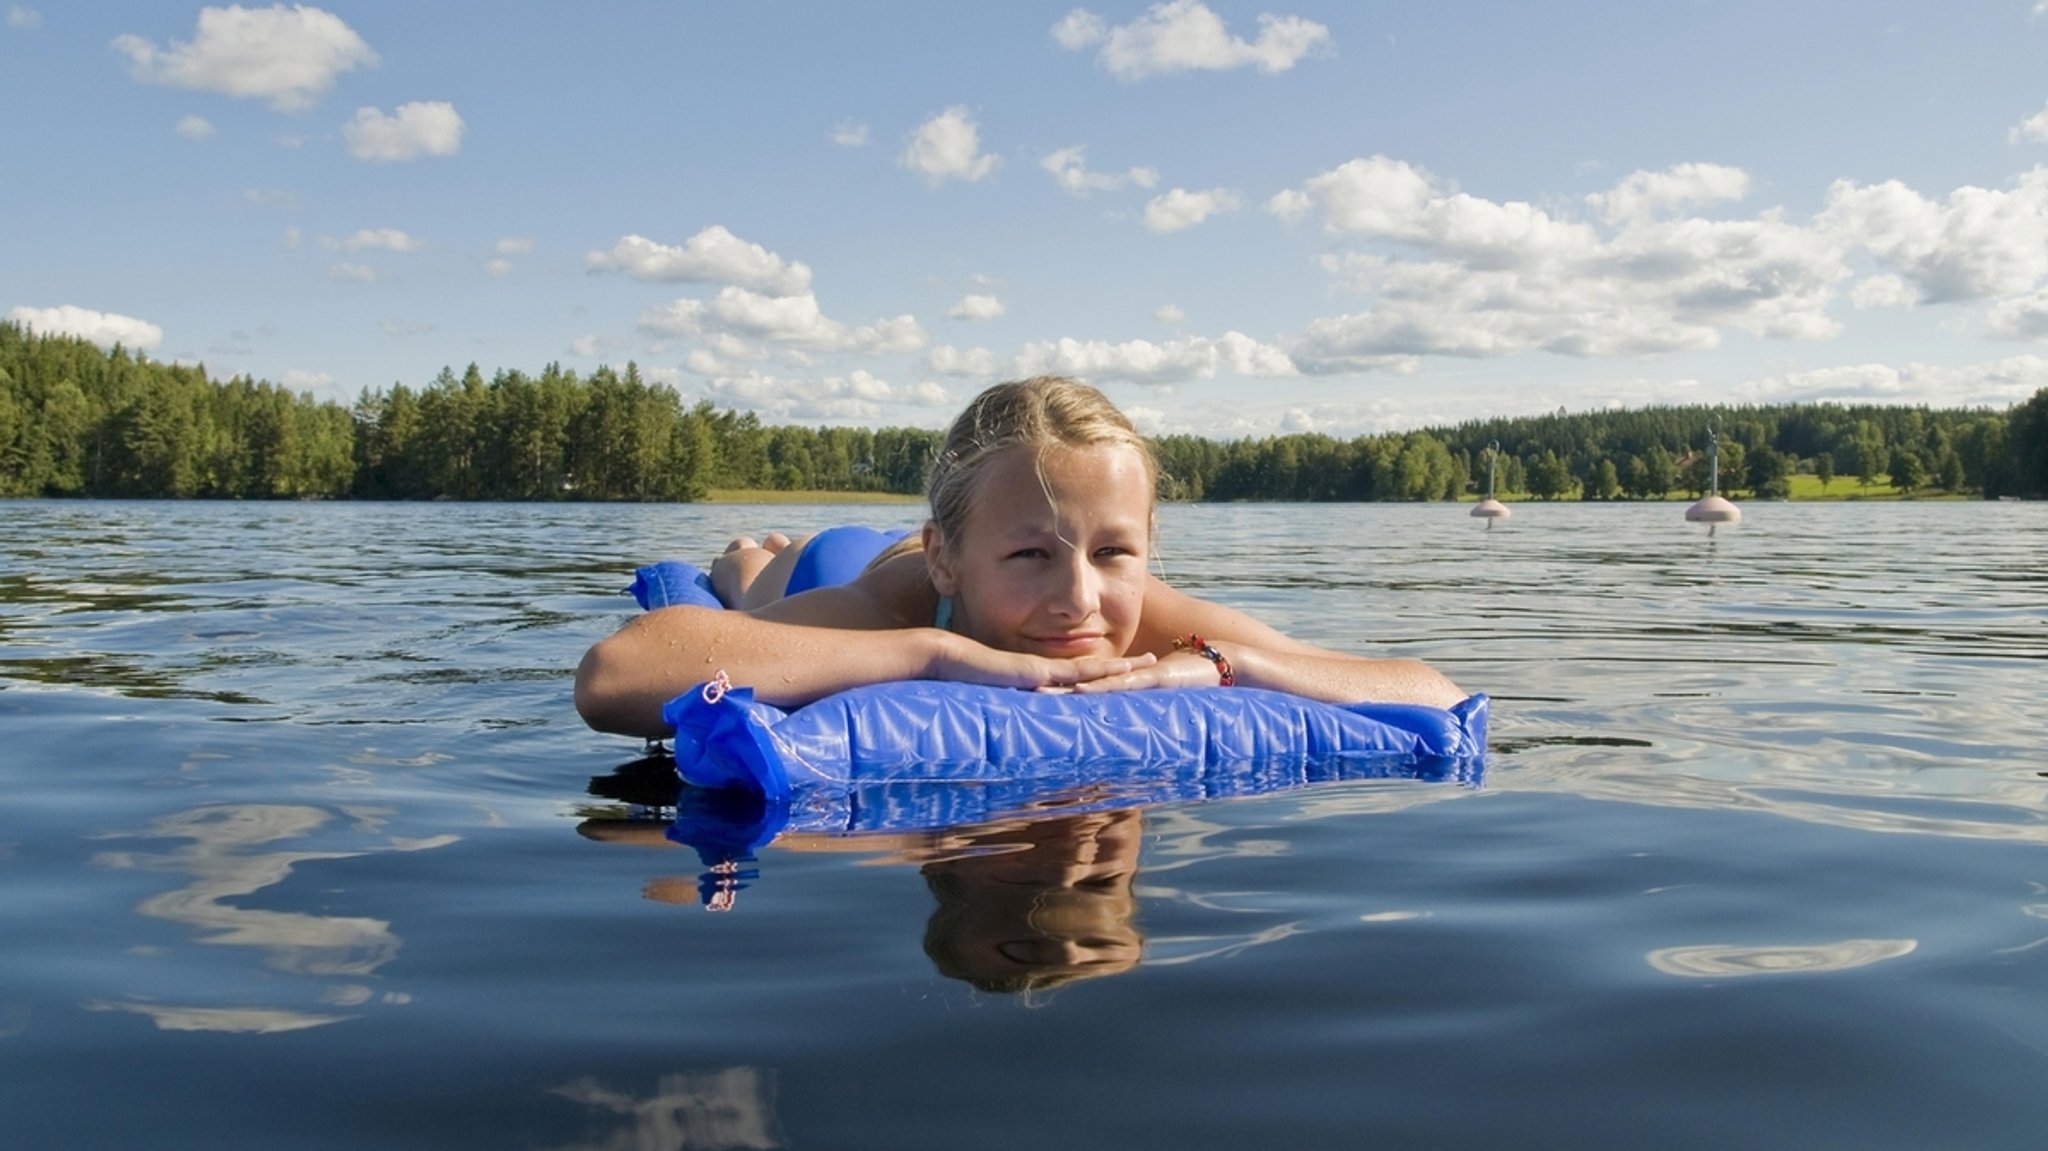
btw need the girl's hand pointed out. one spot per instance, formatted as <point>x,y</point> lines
<point>965,661</point>
<point>1177,669</point>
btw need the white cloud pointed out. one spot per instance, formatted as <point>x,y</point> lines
<point>2022,318</point>
<point>352,273</point>
<point>1981,243</point>
<point>1885,291</point>
<point>291,237</point>
<point>1185,36</point>
<point>850,134</point>
<point>683,317</point>
<point>1080,28</point>
<point>406,328</point>
<point>793,321</point>
<point>948,147</point>
<point>587,347</point>
<point>1148,421</point>
<point>1999,383</point>
<point>373,239</point>
<point>1291,205</point>
<point>1144,362</point>
<point>1070,171</point>
<point>722,354</point>
<point>1376,195</point>
<point>2034,127</point>
<point>300,380</point>
<point>976,307</point>
<point>103,328</point>
<point>194,128</point>
<point>712,256</point>
<point>288,56</point>
<point>499,265</point>
<point>1381,198</point>
<point>1497,279</point>
<point>1181,209</point>
<point>971,363</point>
<point>1644,195</point>
<point>1169,314</point>
<point>20,16</point>
<point>421,128</point>
<point>857,396</point>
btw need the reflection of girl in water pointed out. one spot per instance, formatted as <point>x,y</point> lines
<point>1028,906</point>
<point>1024,904</point>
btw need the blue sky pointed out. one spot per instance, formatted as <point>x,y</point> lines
<point>1237,219</point>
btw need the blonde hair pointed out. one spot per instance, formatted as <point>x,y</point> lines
<point>1043,412</point>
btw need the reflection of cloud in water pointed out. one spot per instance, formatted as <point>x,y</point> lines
<point>235,1020</point>
<point>1723,961</point>
<point>222,866</point>
<point>730,1108</point>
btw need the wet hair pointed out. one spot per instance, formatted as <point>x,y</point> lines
<point>1044,412</point>
<point>965,936</point>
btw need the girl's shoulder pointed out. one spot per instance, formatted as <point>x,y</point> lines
<point>900,586</point>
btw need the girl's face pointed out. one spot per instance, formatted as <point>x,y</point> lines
<point>1051,560</point>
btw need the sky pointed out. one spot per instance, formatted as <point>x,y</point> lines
<point>1238,220</point>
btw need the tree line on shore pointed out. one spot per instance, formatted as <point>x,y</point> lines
<point>77,420</point>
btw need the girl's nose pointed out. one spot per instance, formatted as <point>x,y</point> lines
<point>1080,590</point>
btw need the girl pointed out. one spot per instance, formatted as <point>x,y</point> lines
<point>1032,573</point>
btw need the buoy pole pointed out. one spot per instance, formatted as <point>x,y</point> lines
<point>1491,509</point>
<point>1713,510</point>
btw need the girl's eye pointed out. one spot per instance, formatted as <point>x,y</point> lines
<point>1029,554</point>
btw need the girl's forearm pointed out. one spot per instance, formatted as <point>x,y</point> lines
<point>625,679</point>
<point>1336,678</point>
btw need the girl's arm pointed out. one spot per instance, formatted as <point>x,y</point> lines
<point>1262,657</point>
<point>800,649</point>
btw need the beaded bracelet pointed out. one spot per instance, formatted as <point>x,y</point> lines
<point>1201,647</point>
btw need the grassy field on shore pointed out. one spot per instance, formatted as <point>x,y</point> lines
<point>769,496</point>
<point>1804,488</point>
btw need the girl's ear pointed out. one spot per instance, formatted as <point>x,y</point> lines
<point>937,563</point>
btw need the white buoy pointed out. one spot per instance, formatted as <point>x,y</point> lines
<point>1713,510</point>
<point>1490,509</point>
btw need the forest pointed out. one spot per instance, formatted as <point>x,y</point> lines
<point>79,420</point>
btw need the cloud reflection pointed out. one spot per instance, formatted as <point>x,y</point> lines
<point>219,858</point>
<point>1726,961</point>
<point>233,1020</point>
<point>730,1108</point>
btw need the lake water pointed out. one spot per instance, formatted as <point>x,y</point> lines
<point>302,845</point>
